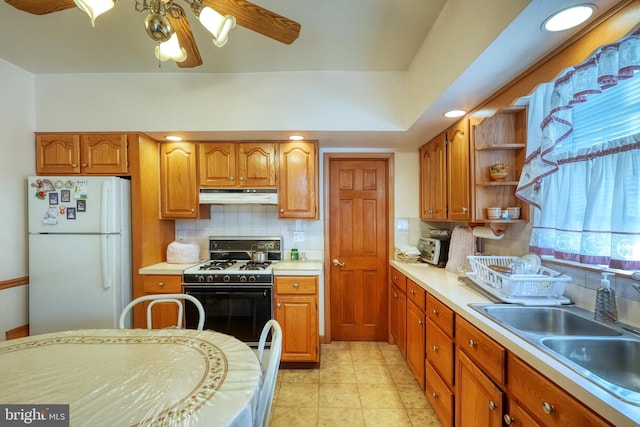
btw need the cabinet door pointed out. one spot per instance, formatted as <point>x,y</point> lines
<point>178,180</point>
<point>256,165</point>
<point>217,164</point>
<point>398,318</point>
<point>103,154</point>
<point>163,315</point>
<point>478,400</point>
<point>298,317</point>
<point>298,180</point>
<point>458,195</point>
<point>57,154</point>
<point>432,179</point>
<point>416,342</point>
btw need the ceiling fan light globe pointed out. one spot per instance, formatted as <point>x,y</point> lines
<point>158,27</point>
<point>171,50</point>
<point>94,8</point>
<point>217,25</point>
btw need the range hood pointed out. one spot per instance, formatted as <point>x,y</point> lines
<point>238,196</point>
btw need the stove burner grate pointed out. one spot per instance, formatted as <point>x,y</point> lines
<point>217,265</point>
<point>255,265</point>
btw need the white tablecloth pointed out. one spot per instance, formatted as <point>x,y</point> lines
<point>131,377</point>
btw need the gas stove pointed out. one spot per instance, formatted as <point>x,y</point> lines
<point>230,262</point>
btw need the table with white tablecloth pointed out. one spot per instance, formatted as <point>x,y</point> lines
<point>126,377</point>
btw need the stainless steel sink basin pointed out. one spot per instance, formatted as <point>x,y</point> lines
<point>613,363</point>
<point>608,355</point>
<point>548,320</point>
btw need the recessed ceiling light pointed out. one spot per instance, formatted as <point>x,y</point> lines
<point>296,137</point>
<point>173,138</point>
<point>455,113</point>
<point>569,17</point>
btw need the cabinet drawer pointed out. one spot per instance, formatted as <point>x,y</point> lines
<point>545,400</point>
<point>440,314</point>
<point>399,279</point>
<point>416,294</point>
<point>483,350</point>
<point>440,352</point>
<point>162,284</point>
<point>440,397</point>
<point>298,285</point>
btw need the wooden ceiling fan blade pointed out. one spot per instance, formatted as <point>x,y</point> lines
<point>187,41</point>
<point>41,7</point>
<point>258,19</point>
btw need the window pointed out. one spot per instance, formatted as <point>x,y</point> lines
<point>582,171</point>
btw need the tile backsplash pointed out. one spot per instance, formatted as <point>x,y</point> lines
<point>252,220</point>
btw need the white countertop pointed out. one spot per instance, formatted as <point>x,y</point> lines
<point>297,268</point>
<point>446,287</point>
<point>165,268</point>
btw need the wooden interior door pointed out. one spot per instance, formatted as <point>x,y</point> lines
<point>358,233</point>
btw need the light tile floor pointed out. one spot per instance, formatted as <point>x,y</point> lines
<point>357,384</point>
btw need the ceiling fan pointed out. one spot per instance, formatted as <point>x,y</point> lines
<point>167,20</point>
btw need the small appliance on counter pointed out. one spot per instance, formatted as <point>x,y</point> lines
<point>435,249</point>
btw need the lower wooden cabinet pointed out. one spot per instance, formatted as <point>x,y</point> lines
<point>162,315</point>
<point>439,395</point>
<point>415,341</point>
<point>544,400</point>
<point>398,318</point>
<point>296,309</point>
<point>479,402</point>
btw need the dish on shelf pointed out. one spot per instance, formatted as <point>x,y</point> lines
<point>498,176</point>
<point>494,213</point>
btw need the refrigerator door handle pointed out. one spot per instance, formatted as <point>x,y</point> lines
<point>104,205</point>
<point>106,267</point>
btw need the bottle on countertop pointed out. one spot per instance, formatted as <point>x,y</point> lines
<point>294,254</point>
<point>605,309</point>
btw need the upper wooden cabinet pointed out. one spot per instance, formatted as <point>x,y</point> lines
<point>458,197</point>
<point>231,164</point>
<point>501,138</point>
<point>433,190</point>
<point>86,154</point>
<point>178,180</point>
<point>298,180</point>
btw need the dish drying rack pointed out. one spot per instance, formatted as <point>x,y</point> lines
<point>544,287</point>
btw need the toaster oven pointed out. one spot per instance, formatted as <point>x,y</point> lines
<point>433,250</point>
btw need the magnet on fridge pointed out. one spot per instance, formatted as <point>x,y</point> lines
<point>51,217</point>
<point>53,198</point>
<point>62,210</point>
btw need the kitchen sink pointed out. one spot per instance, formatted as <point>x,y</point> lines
<point>613,363</point>
<point>608,355</point>
<point>548,320</point>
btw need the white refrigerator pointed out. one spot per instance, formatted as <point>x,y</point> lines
<point>79,252</point>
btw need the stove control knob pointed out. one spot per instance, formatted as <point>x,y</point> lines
<point>210,279</point>
<point>243,278</point>
<point>226,278</point>
<point>252,278</point>
<point>201,278</point>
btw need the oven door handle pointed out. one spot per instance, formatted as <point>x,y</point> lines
<point>248,293</point>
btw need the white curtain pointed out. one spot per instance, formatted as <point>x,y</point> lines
<point>587,199</point>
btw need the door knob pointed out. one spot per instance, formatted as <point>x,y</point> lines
<point>337,262</point>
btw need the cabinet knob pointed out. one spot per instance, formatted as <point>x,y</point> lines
<point>435,312</point>
<point>548,408</point>
<point>434,348</point>
<point>160,284</point>
<point>413,291</point>
<point>296,285</point>
<point>492,405</point>
<point>75,165</point>
<point>281,210</point>
<point>278,305</point>
<point>395,277</point>
<point>434,395</point>
<point>420,322</point>
<point>232,178</point>
<point>508,420</point>
<point>472,343</point>
<point>193,210</point>
<point>465,210</point>
<point>84,165</point>
<point>395,295</point>
<point>242,178</point>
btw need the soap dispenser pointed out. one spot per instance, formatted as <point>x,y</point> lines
<point>605,310</point>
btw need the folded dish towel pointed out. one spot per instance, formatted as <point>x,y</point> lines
<point>462,244</point>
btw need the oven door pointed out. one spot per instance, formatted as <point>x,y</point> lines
<point>240,311</point>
